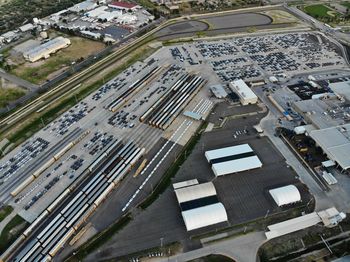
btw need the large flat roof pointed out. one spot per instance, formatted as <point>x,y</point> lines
<point>243,89</point>
<point>237,165</point>
<point>292,225</point>
<point>227,151</point>
<point>335,142</point>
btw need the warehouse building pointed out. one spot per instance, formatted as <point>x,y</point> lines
<point>285,195</point>
<point>218,91</point>
<point>232,159</point>
<point>124,6</point>
<point>199,204</point>
<point>44,50</point>
<point>246,95</point>
<point>335,143</point>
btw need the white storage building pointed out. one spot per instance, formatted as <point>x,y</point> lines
<point>246,95</point>
<point>199,204</point>
<point>44,50</point>
<point>285,195</point>
<point>232,159</point>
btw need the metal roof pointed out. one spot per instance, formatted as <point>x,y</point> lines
<point>227,151</point>
<point>193,115</point>
<point>185,183</point>
<point>204,216</point>
<point>194,192</point>
<point>292,225</point>
<point>335,142</point>
<point>243,89</point>
<point>285,195</point>
<point>218,91</point>
<point>237,165</point>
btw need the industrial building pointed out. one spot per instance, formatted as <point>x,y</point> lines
<point>199,204</point>
<point>335,143</point>
<point>328,126</point>
<point>329,218</point>
<point>246,95</point>
<point>124,6</point>
<point>232,159</point>
<point>44,50</point>
<point>218,91</point>
<point>285,195</point>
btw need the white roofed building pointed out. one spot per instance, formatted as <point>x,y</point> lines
<point>199,204</point>
<point>26,27</point>
<point>285,195</point>
<point>46,49</point>
<point>246,95</point>
<point>335,143</point>
<point>232,159</point>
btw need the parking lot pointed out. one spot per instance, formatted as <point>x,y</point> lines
<point>244,194</point>
<point>251,58</point>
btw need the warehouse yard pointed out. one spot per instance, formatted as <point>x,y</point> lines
<point>43,70</point>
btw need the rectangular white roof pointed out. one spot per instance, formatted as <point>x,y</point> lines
<point>185,183</point>
<point>292,225</point>
<point>227,151</point>
<point>195,192</point>
<point>204,216</point>
<point>236,165</point>
<point>243,89</point>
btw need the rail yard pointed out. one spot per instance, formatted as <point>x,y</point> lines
<point>110,149</point>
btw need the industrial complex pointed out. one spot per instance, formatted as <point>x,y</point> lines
<point>203,142</point>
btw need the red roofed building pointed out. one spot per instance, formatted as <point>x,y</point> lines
<point>124,5</point>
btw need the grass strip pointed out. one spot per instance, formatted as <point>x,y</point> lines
<point>11,232</point>
<point>5,211</point>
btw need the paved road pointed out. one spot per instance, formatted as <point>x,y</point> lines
<point>242,249</point>
<point>18,81</point>
<point>335,197</point>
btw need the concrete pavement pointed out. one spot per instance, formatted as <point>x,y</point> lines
<point>336,197</point>
<point>243,249</point>
<point>18,81</point>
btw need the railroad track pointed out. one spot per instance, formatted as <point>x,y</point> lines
<point>62,89</point>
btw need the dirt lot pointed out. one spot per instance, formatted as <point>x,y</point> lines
<point>43,70</point>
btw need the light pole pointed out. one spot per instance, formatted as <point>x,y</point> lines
<point>267,213</point>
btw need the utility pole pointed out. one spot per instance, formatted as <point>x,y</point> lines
<point>161,242</point>
<point>267,213</point>
<point>326,244</point>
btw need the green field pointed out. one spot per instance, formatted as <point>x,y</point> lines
<point>346,4</point>
<point>5,211</point>
<point>319,11</point>
<point>9,94</point>
<point>11,231</point>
